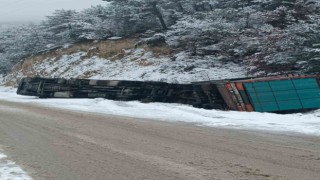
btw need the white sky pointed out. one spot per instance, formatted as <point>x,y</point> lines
<point>36,10</point>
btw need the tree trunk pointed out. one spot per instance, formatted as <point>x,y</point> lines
<point>157,12</point>
<point>181,9</point>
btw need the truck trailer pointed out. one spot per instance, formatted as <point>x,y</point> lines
<point>289,93</point>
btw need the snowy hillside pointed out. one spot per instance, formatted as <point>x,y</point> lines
<point>142,63</point>
<point>265,36</point>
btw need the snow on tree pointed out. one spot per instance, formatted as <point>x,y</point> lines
<point>269,36</point>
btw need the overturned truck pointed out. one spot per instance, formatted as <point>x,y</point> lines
<point>264,94</point>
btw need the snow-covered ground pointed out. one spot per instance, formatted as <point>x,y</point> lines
<point>10,171</point>
<point>304,123</point>
<point>138,64</point>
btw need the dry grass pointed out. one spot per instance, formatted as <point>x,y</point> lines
<point>158,51</point>
<point>107,49</point>
<point>88,74</point>
<point>144,62</point>
<point>115,49</point>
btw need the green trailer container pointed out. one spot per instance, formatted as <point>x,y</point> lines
<point>284,94</point>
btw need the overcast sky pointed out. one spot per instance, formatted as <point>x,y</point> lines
<point>36,10</point>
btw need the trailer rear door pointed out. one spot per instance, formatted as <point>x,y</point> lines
<point>284,95</point>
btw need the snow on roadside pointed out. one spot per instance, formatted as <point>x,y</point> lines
<point>10,171</point>
<point>305,123</point>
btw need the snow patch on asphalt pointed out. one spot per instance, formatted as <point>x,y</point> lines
<point>305,123</point>
<point>10,171</point>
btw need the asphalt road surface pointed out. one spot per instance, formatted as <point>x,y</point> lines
<point>57,144</point>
